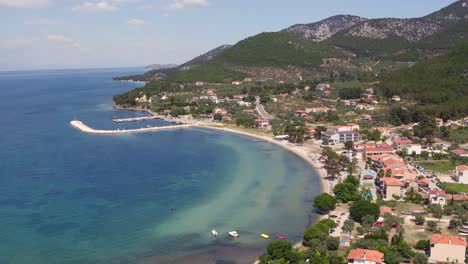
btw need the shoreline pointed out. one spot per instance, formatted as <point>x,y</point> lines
<point>310,157</point>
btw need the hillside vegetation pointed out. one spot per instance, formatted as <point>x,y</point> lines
<point>276,49</point>
<point>439,84</point>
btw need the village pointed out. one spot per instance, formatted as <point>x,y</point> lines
<point>411,178</point>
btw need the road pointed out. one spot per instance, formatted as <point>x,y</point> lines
<point>261,110</point>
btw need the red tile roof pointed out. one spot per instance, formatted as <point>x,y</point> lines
<point>366,254</point>
<point>402,141</point>
<point>391,181</point>
<point>261,120</point>
<point>450,240</point>
<point>459,151</point>
<point>461,168</point>
<point>424,181</point>
<point>385,210</point>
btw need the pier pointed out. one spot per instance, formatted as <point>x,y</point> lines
<point>81,126</point>
<point>134,119</point>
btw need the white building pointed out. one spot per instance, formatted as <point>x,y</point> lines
<point>342,136</point>
<point>365,256</point>
<point>413,149</point>
<point>461,174</point>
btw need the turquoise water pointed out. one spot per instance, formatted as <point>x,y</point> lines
<point>69,197</point>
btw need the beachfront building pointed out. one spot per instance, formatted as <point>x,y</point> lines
<point>262,123</point>
<point>390,187</point>
<point>447,249</point>
<point>394,163</point>
<point>461,174</point>
<point>341,136</point>
<point>372,150</point>
<point>365,256</point>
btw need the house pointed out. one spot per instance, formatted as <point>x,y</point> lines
<point>439,121</point>
<point>446,248</point>
<point>401,143</point>
<point>322,87</point>
<point>423,183</point>
<point>248,111</point>
<point>327,93</point>
<point>262,123</point>
<point>371,150</point>
<point>385,210</point>
<point>393,163</point>
<point>347,127</point>
<point>300,113</point>
<point>236,83</point>
<point>396,98</point>
<point>391,187</point>
<point>366,117</point>
<point>365,107</point>
<point>370,90</point>
<point>460,152</point>
<point>311,129</point>
<point>227,119</point>
<point>461,174</point>
<point>319,110</point>
<point>437,197</point>
<point>413,149</point>
<point>220,111</point>
<point>199,83</point>
<point>365,256</point>
<point>341,136</point>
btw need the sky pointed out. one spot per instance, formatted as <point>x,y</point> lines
<point>61,34</point>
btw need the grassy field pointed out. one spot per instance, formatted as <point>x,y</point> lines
<point>445,167</point>
<point>456,188</point>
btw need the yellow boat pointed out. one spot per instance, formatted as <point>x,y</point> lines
<point>265,236</point>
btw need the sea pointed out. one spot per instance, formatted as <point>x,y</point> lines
<point>67,197</point>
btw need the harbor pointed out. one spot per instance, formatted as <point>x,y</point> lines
<point>134,119</point>
<point>83,127</point>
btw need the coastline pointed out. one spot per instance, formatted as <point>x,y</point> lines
<point>308,155</point>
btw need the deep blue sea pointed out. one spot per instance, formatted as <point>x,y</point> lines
<point>69,197</point>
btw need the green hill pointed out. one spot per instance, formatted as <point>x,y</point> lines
<point>439,84</point>
<point>208,72</point>
<point>276,49</point>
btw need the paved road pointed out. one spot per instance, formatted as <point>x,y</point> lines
<point>261,110</point>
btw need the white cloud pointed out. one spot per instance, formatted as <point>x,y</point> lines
<point>95,7</point>
<point>136,22</point>
<point>17,43</point>
<point>25,3</point>
<point>58,38</point>
<point>179,4</point>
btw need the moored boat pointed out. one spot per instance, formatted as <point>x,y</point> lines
<point>214,232</point>
<point>265,236</point>
<point>233,234</point>
<point>280,236</point>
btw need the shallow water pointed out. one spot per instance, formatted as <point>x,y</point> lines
<point>70,197</point>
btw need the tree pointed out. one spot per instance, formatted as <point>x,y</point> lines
<point>325,202</point>
<point>422,244</point>
<point>420,258</point>
<point>349,145</point>
<point>367,221</point>
<point>318,131</point>
<point>454,224</point>
<point>348,225</point>
<point>332,243</point>
<point>346,192</point>
<point>353,180</point>
<point>419,219</point>
<point>436,210</point>
<point>218,117</point>
<point>363,207</point>
<point>280,250</point>
<point>432,226</point>
<point>388,173</point>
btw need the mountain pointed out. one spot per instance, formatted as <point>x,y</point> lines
<point>205,57</point>
<point>438,84</point>
<point>385,36</point>
<point>160,66</point>
<point>324,29</point>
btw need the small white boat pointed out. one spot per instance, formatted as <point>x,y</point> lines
<point>214,232</point>
<point>233,234</point>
